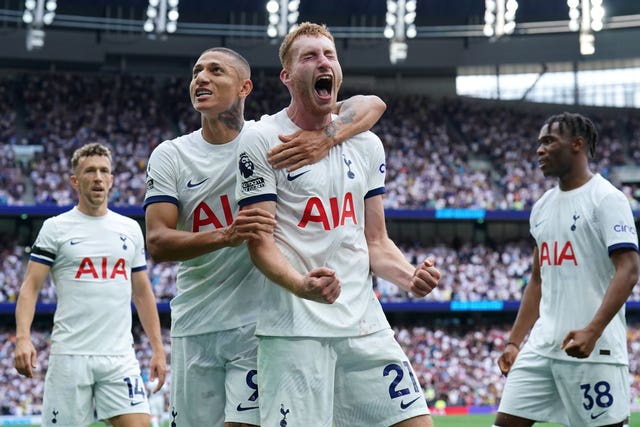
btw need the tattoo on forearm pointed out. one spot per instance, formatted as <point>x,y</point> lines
<point>331,129</point>
<point>347,115</point>
<point>232,118</point>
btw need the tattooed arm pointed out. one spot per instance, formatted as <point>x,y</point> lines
<point>355,115</point>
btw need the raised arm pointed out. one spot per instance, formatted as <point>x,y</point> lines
<point>320,284</point>
<point>145,303</point>
<point>166,243</point>
<point>355,115</point>
<point>386,259</point>
<point>528,313</point>
<point>25,355</point>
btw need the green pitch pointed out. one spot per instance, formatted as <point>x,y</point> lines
<point>472,421</point>
<point>487,420</point>
<point>458,421</point>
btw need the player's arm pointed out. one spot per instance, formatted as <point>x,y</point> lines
<point>166,243</point>
<point>320,284</point>
<point>355,115</point>
<point>25,355</point>
<point>580,343</point>
<point>528,313</point>
<point>145,303</point>
<point>387,260</point>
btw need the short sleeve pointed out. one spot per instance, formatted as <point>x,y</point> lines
<point>616,222</point>
<point>162,176</point>
<point>45,248</point>
<point>255,178</point>
<point>139,262</point>
<point>377,167</point>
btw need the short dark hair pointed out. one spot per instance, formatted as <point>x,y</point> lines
<point>576,125</point>
<point>241,61</point>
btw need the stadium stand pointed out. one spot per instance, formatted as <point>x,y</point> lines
<point>463,158</point>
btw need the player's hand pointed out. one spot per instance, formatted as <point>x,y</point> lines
<point>425,278</point>
<point>25,357</point>
<point>158,368</point>
<point>508,358</point>
<point>579,343</point>
<point>299,149</point>
<point>320,285</point>
<point>249,224</point>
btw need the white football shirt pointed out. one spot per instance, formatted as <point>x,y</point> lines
<point>91,260</point>
<point>222,289</point>
<point>575,231</point>
<point>320,222</point>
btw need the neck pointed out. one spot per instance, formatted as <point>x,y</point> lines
<point>222,127</point>
<point>573,181</point>
<point>307,119</point>
<point>92,210</point>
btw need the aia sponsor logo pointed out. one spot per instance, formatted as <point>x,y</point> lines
<point>556,253</point>
<point>332,215</point>
<point>101,268</point>
<point>203,215</point>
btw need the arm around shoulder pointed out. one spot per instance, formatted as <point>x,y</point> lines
<point>355,115</point>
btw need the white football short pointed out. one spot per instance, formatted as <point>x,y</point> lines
<point>570,393</point>
<point>214,379</point>
<point>320,382</point>
<point>73,381</point>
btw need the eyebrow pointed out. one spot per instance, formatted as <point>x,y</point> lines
<point>201,65</point>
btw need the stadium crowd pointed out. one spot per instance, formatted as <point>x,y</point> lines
<point>454,359</point>
<point>473,272</point>
<point>440,153</point>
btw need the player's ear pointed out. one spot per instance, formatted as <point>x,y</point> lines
<point>284,76</point>
<point>578,144</point>
<point>246,88</point>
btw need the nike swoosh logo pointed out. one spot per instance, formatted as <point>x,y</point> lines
<point>406,405</point>
<point>136,403</point>
<point>74,242</point>
<point>593,417</point>
<point>292,177</point>
<point>241,408</point>
<point>191,185</point>
<point>538,223</point>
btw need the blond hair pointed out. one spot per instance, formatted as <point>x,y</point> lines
<point>305,29</point>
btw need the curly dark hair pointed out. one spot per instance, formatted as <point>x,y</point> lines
<point>576,125</point>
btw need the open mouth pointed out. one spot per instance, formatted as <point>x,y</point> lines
<point>323,86</point>
<point>202,92</point>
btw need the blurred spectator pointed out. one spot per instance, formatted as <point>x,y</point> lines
<point>454,360</point>
<point>440,153</point>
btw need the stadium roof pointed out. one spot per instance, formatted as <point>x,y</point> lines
<point>108,33</point>
<point>333,12</point>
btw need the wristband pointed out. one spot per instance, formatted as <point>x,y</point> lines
<point>511,343</point>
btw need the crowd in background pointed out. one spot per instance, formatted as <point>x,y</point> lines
<point>440,153</point>
<point>471,272</point>
<point>454,360</point>
<point>445,153</point>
